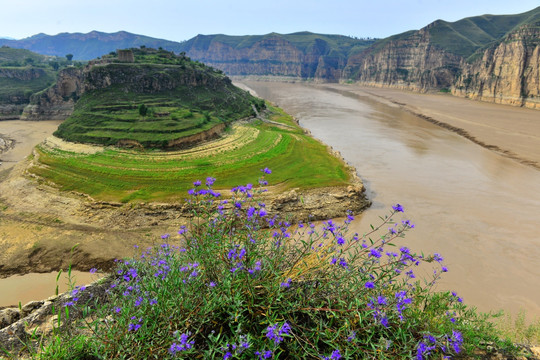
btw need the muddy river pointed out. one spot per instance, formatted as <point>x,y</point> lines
<point>479,209</point>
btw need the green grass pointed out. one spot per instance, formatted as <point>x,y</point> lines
<point>109,115</point>
<point>131,175</point>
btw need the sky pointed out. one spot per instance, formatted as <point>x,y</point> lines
<point>180,20</point>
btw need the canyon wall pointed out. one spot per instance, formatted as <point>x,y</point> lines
<point>301,55</point>
<point>410,62</point>
<point>506,73</point>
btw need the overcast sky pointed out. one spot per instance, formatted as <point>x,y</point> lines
<point>180,20</point>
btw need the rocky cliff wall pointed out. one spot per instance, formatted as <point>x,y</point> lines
<point>274,56</point>
<point>19,84</point>
<point>411,63</point>
<point>507,73</point>
<point>24,74</point>
<point>58,101</point>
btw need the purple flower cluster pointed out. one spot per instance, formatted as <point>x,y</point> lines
<point>264,354</point>
<point>275,333</point>
<point>183,344</point>
<point>238,349</point>
<point>448,344</point>
<point>336,355</point>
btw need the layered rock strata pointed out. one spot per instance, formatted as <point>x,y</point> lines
<point>506,73</point>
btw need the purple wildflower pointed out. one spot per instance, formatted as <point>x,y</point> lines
<point>286,284</point>
<point>210,181</point>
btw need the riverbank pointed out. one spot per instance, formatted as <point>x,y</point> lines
<point>492,126</point>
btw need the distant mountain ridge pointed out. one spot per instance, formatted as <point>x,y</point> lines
<point>88,46</point>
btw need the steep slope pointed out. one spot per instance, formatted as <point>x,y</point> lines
<point>303,54</point>
<point>507,72</point>
<point>492,58</point>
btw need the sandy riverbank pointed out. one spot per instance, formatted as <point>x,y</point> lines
<point>511,131</point>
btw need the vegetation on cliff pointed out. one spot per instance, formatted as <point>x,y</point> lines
<point>23,73</point>
<point>183,98</point>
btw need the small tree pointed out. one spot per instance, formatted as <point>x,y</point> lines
<point>69,57</point>
<point>143,110</point>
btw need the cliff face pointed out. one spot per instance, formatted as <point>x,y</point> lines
<point>412,62</point>
<point>305,55</point>
<point>16,86</point>
<point>506,73</point>
<point>56,102</point>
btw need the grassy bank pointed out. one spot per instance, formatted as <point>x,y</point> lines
<point>150,175</point>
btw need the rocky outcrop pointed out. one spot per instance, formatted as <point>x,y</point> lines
<point>22,327</point>
<point>24,74</point>
<point>506,73</point>
<point>411,63</point>
<point>58,101</point>
<point>6,143</point>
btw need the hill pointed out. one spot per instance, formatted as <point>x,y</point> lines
<point>166,120</point>
<point>153,98</point>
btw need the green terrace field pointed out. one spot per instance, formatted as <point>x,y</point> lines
<point>110,115</point>
<point>114,174</point>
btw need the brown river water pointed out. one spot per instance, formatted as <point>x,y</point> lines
<point>478,209</point>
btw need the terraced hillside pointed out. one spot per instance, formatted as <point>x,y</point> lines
<point>116,174</point>
<point>154,100</point>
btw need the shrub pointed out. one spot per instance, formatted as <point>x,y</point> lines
<point>241,284</point>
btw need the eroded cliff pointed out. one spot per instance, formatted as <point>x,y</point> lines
<point>302,55</point>
<point>411,62</point>
<point>507,72</point>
